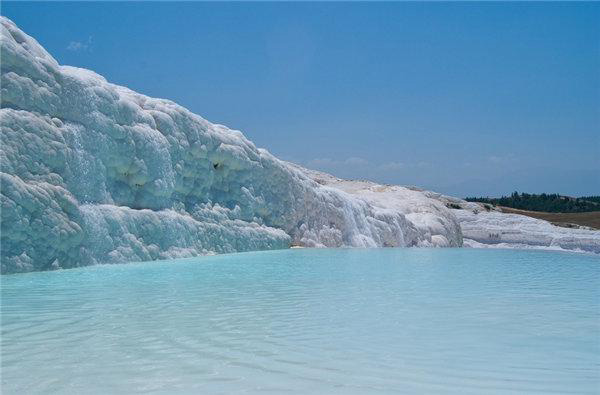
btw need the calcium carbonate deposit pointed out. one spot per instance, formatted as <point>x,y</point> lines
<point>94,173</point>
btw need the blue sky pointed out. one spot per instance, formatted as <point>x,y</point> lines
<point>462,98</point>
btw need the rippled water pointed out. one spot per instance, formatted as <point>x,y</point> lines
<point>309,321</point>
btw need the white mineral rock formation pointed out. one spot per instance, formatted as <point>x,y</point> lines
<point>96,173</point>
<point>484,226</point>
<point>92,172</point>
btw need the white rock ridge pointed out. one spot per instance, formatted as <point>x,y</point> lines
<point>93,172</point>
<point>484,226</point>
<point>485,229</point>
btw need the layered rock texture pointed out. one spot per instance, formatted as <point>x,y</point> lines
<point>93,173</point>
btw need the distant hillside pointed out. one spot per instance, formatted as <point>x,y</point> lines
<point>550,203</point>
<point>590,219</point>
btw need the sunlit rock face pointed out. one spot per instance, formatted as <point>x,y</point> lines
<point>485,226</point>
<point>488,229</point>
<point>95,173</point>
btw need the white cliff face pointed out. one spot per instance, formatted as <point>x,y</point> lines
<point>484,226</point>
<point>484,229</point>
<point>92,172</point>
<point>423,214</point>
<point>96,173</point>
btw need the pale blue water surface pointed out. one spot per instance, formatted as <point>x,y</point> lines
<point>336,321</point>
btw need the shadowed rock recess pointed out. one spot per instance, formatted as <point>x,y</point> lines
<point>95,173</point>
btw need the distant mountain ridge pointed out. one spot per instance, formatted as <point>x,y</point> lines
<point>551,203</point>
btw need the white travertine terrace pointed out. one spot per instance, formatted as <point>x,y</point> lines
<point>93,172</point>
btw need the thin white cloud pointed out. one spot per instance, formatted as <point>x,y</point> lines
<point>356,161</point>
<point>393,166</point>
<point>76,46</point>
<point>328,162</point>
<point>398,166</point>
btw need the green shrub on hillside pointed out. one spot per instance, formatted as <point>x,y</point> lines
<point>552,203</point>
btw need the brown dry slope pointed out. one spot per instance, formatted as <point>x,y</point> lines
<point>591,218</point>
